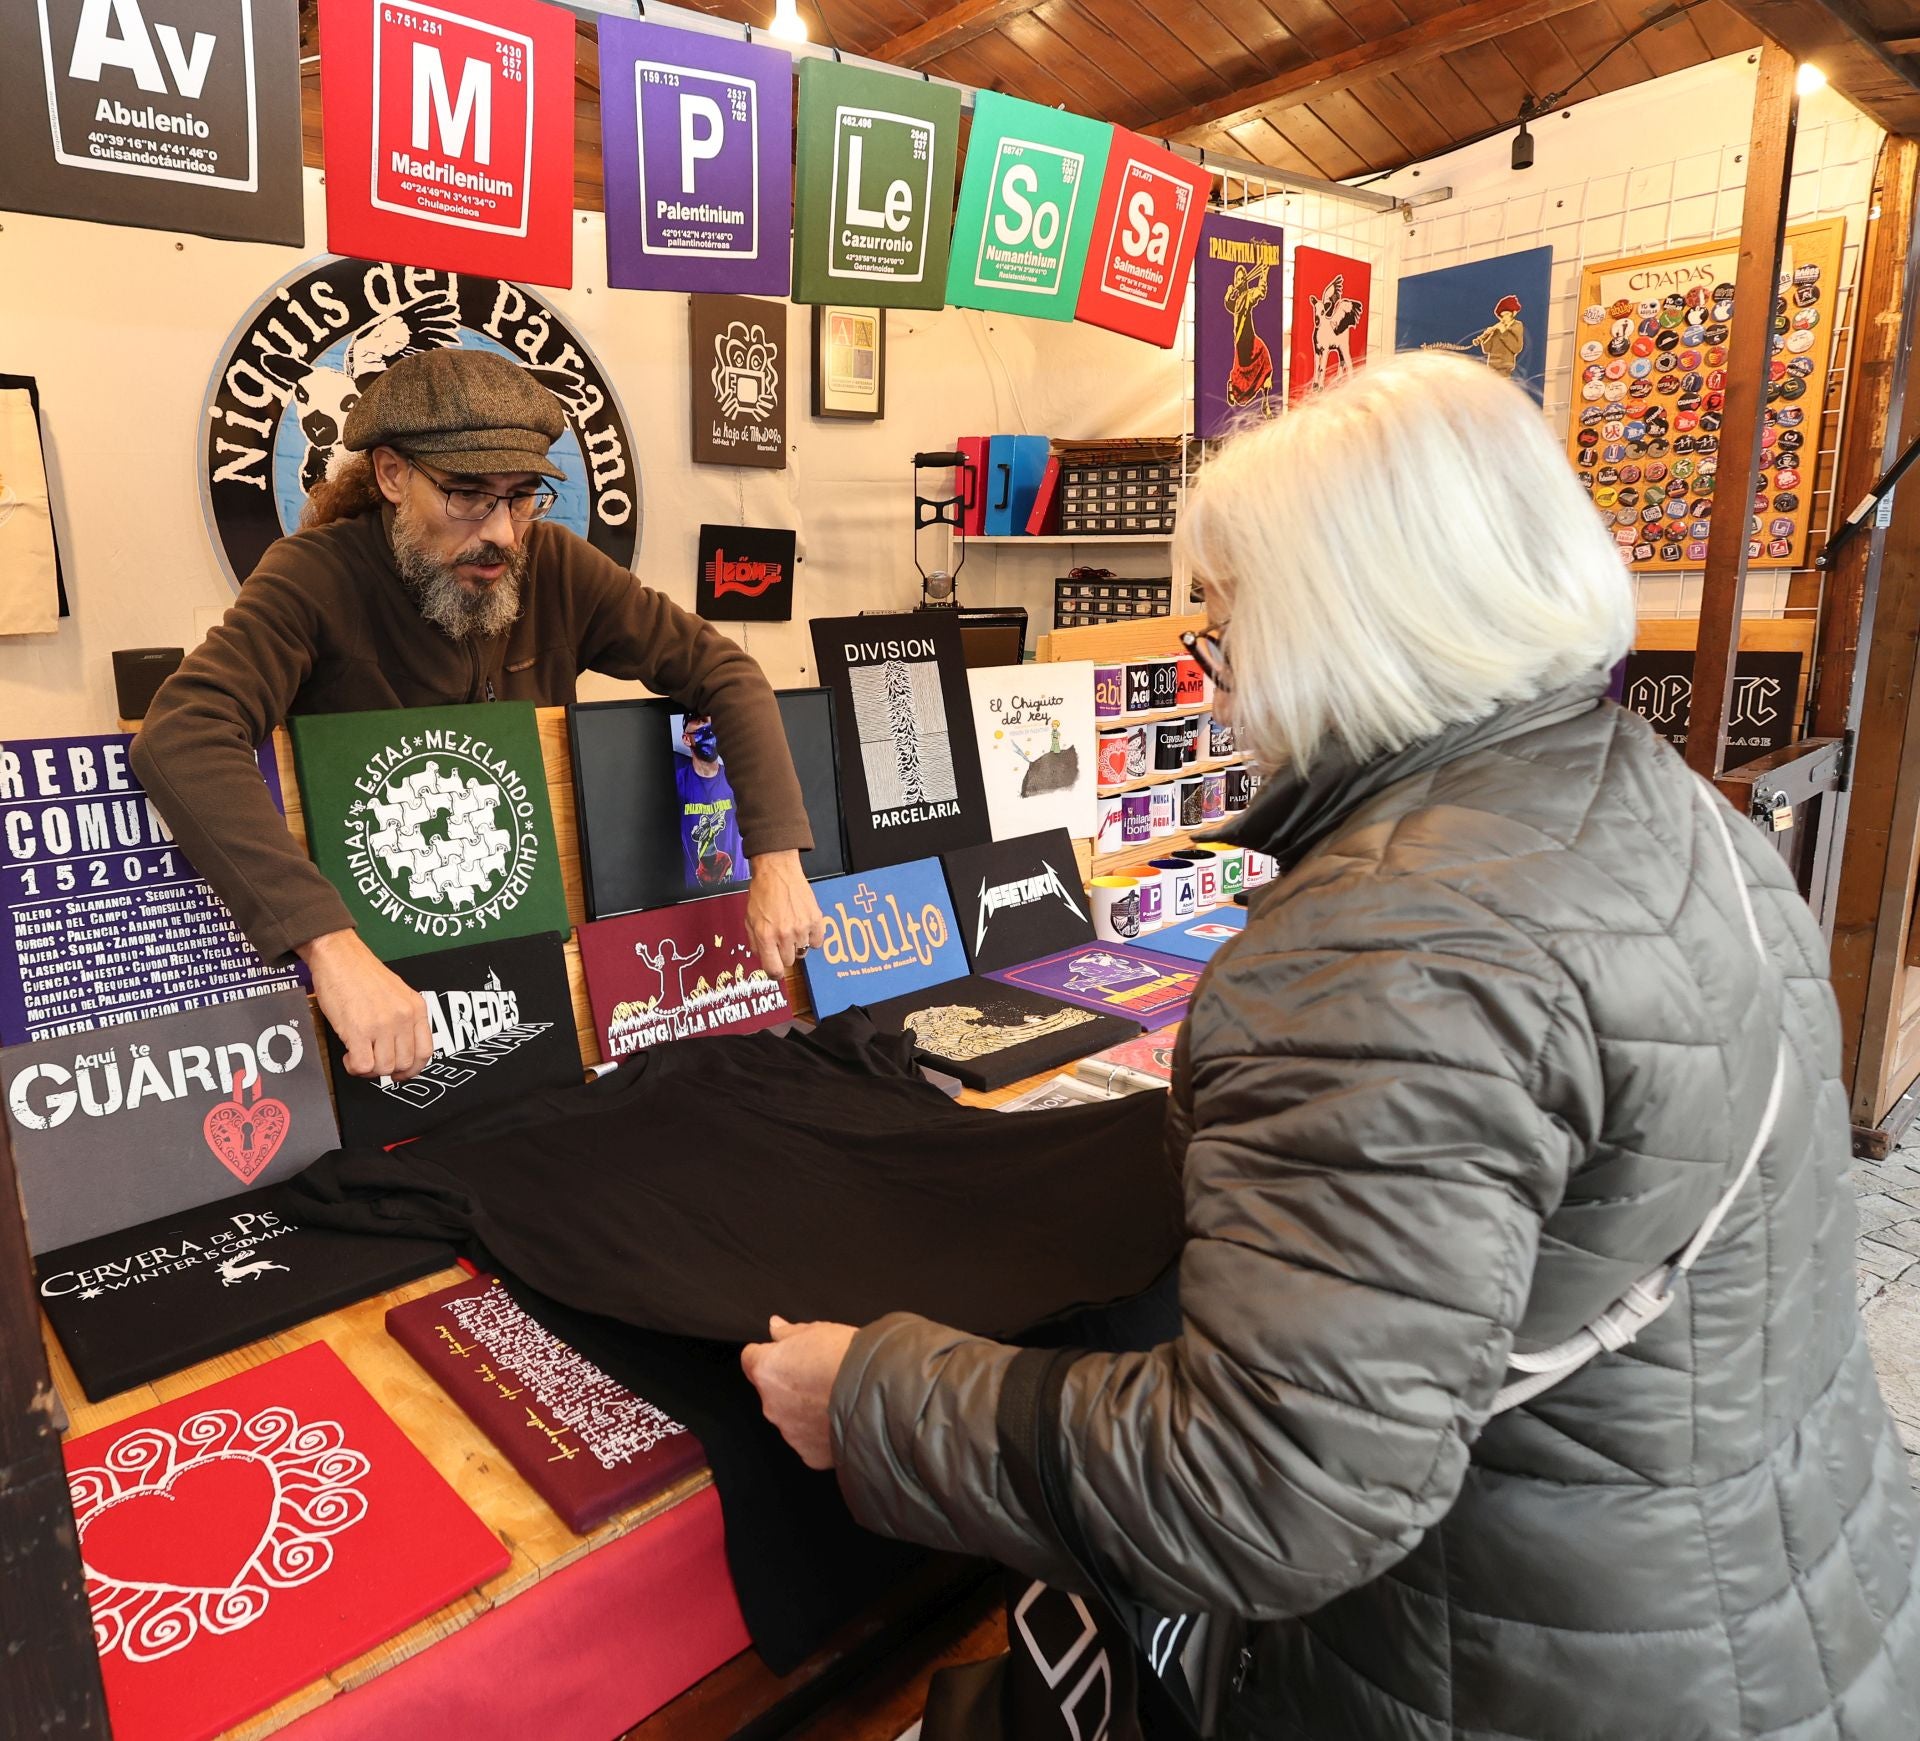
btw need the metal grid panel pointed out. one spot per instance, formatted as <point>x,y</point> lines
<point>1685,199</point>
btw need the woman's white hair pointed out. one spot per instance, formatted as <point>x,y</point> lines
<point>1402,553</point>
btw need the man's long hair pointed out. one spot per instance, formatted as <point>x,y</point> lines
<point>349,490</point>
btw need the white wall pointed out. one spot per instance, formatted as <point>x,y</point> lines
<point>123,329</point>
<point>1641,169</point>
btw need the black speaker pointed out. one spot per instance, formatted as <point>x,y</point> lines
<point>138,673</point>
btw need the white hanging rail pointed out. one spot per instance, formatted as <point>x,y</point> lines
<point>686,18</point>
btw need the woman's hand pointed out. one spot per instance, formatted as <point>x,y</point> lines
<point>794,1375</point>
<point>783,916</point>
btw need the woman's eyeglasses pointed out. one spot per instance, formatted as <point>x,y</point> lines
<point>1209,648</point>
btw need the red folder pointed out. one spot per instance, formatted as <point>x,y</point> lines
<point>1046,510</point>
<point>973,513</point>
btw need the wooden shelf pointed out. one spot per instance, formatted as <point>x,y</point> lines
<point>1161,779</point>
<point>1159,717</point>
<point>1071,538</point>
<point>1162,846</point>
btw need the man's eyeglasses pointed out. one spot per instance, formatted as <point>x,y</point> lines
<point>465,504</point>
<point>1209,648</point>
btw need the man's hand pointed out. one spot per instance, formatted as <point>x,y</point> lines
<point>381,1020</point>
<point>794,1375</point>
<point>783,917</point>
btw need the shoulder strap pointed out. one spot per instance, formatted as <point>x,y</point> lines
<point>1653,1293</point>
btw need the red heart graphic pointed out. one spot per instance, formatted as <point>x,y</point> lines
<point>198,1530</point>
<point>244,1139</point>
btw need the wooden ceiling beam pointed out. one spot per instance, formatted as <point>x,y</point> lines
<point>1463,27</point>
<point>954,28</point>
<point>1840,39</point>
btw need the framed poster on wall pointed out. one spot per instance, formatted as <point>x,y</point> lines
<point>1651,348</point>
<point>1332,296</point>
<point>849,362</point>
<point>1494,311</point>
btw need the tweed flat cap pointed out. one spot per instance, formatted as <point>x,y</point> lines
<point>471,411</point>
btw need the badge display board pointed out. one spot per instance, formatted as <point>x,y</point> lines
<point>1766,686</point>
<point>1145,232</point>
<point>1025,217</point>
<point>1650,362</point>
<point>586,1444</point>
<point>1039,750</point>
<point>746,574</point>
<point>151,1300</point>
<point>740,365</point>
<point>277,405</point>
<point>989,1033</point>
<point>1198,938</point>
<point>888,932</point>
<point>1239,319</point>
<point>115,1127</point>
<point>909,763</point>
<point>168,114</point>
<point>241,1541</point>
<point>1115,978</point>
<point>645,812</point>
<point>432,822</point>
<point>676,972</point>
<point>1494,311</point>
<point>102,919</point>
<point>1332,297</point>
<point>873,194</point>
<point>694,135</point>
<point>449,135</point>
<point>1017,900</point>
<point>502,1019</point>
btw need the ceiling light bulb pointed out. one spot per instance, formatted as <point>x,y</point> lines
<point>1808,79</point>
<point>787,24</point>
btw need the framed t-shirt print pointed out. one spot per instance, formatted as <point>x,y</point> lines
<point>909,763</point>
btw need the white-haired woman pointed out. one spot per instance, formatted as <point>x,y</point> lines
<point>1526,1012</point>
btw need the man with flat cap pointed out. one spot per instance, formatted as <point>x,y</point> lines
<point>424,573</point>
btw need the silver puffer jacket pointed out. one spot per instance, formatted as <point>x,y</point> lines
<point>1489,1049</point>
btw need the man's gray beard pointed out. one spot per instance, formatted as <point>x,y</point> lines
<point>458,610</point>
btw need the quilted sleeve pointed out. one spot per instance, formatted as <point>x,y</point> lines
<point>1389,1091</point>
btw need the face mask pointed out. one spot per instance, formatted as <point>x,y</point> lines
<point>706,744</point>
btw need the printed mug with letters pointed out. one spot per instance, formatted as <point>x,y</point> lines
<point>1140,687</point>
<point>1136,818</point>
<point>1166,810</point>
<point>1153,896</point>
<point>1107,836</point>
<point>1177,875</point>
<point>1109,691</point>
<point>1233,870</point>
<point>1206,876</point>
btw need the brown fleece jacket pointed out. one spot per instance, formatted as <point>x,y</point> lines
<point>325,625</point>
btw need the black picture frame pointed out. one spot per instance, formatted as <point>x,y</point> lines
<point>821,405</point>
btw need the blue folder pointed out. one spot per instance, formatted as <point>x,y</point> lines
<point>1015,466</point>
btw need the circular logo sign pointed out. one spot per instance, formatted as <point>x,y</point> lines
<point>298,362</point>
<point>445,842</point>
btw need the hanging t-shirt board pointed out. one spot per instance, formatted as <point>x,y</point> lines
<point>1039,750</point>
<point>657,817</point>
<point>1494,311</point>
<point>989,1034</point>
<point>1198,938</point>
<point>1025,216</point>
<point>102,919</point>
<point>873,191</point>
<point>888,931</point>
<point>1766,692</point>
<point>1017,900</point>
<point>432,822</point>
<point>676,972</point>
<point>151,1300</point>
<point>1145,232</point>
<point>119,1125</point>
<point>449,136</point>
<point>1239,316</point>
<point>168,114</point>
<point>909,763</point>
<point>502,1021</point>
<point>1113,977</point>
<point>241,1541</point>
<point>1332,295</point>
<point>1652,347</point>
<point>694,153</point>
<point>586,1444</point>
